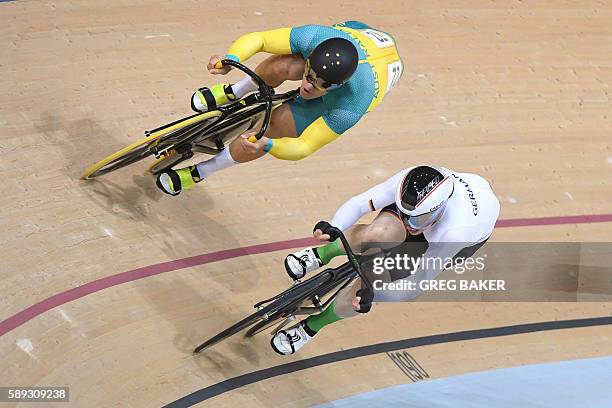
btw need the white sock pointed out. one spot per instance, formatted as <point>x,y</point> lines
<point>244,87</point>
<point>219,162</point>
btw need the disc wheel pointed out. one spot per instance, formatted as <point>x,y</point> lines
<point>140,149</point>
<point>281,307</point>
<point>168,161</point>
<point>266,324</point>
<point>230,331</point>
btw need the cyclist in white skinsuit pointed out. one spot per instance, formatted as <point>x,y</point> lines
<point>452,214</point>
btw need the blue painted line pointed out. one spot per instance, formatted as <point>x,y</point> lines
<point>567,384</point>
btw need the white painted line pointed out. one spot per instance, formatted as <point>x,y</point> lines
<point>108,232</point>
<point>66,317</point>
<point>449,122</point>
<point>26,346</point>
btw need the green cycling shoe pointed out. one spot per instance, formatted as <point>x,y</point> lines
<point>174,181</point>
<point>206,99</point>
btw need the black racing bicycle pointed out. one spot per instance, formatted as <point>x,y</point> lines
<point>207,132</point>
<point>303,298</point>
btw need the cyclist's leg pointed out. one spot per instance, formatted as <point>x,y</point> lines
<point>386,231</point>
<point>277,69</point>
<point>289,120</point>
<point>281,125</point>
<point>274,70</point>
<point>289,341</point>
<point>346,302</point>
<point>343,307</point>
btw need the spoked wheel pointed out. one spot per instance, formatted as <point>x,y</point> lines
<point>141,149</point>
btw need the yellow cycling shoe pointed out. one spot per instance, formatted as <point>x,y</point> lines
<point>174,181</point>
<point>206,99</point>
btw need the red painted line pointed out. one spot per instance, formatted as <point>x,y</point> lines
<point>572,219</point>
<point>43,306</point>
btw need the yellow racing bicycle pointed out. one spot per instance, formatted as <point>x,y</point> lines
<point>208,132</point>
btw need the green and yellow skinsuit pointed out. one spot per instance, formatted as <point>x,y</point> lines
<point>321,120</point>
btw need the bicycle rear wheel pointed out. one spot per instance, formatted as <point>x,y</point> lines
<point>167,161</point>
<point>140,149</point>
<point>320,290</point>
<point>266,324</point>
<point>259,316</point>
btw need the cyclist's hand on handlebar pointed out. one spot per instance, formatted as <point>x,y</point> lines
<point>252,145</point>
<point>215,67</point>
<point>319,235</point>
<point>324,231</point>
<point>363,300</point>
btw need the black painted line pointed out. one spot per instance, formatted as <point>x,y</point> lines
<point>260,375</point>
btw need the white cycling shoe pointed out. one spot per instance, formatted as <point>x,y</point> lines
<point>298,264</point>
<point>289,341</point>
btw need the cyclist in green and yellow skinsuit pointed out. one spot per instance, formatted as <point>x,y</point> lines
<point>345,69</point>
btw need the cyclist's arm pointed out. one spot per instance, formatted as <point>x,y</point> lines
<point>325,129</point>
<point>374,199</point>
<point>273,41</point>
<point>314,137</point>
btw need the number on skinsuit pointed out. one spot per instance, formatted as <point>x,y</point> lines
<point>394,72</point>
<point>382,40</point>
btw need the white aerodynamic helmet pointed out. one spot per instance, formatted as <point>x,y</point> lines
<point>422,195</point>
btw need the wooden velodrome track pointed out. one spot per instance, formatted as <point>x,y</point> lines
<point>518,92</point>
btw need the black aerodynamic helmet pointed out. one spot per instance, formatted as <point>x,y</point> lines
<point>334,60</point>
<point>422,194</point>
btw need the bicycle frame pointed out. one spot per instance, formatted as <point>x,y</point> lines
<point>265,95</point>
<point>347,271</point>
<point>289,303</point>
<point>200,132</point>
<point>231,114</point>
